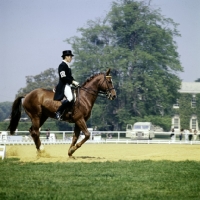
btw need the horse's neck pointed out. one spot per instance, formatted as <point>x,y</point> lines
<point>90,91</point>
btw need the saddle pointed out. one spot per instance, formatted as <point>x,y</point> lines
<point>70,105</point>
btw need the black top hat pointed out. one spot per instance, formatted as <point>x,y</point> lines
<point>67,53</point>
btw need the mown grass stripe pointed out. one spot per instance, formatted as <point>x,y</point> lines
<point>100,180</point>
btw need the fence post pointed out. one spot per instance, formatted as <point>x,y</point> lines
<point>63,135</point>
<point>3,151</point>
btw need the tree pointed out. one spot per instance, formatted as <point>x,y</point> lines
<point>5,108</point>
<point>47,79</point>
<point>137,43</point>
<point>198,80</point>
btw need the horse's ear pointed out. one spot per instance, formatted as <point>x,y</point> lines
<point>108,72</point>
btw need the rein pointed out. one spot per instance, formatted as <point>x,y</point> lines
<point>95,92</point>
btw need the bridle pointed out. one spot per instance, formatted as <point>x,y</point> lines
<point>96,92</point>
<point>108,90</point>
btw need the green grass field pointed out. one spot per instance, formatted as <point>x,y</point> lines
<point>100,180</point>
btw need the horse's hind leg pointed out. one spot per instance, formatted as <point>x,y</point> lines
<point>34,130</point>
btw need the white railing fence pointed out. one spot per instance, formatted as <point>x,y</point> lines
<point>65,137</point>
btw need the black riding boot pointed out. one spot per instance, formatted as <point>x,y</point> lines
<point>59,112</point>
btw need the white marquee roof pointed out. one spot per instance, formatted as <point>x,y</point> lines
<point>190,87</point>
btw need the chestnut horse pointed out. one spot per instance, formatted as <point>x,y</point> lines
<point>39,105</point>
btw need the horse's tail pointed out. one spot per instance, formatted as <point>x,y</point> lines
<point>15,115</point>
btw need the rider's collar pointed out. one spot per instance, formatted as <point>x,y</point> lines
<point>67,63</point>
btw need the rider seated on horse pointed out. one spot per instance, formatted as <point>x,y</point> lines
<point>63,88</point>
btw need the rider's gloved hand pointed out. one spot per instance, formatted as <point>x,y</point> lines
<point>75,83</point>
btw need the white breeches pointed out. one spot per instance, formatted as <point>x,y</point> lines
<point>68,92</point>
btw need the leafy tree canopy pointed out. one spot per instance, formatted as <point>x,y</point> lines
<point>47,79</point>
<point>5,108</point>
<point>137,43</point>
<point>198,80</point>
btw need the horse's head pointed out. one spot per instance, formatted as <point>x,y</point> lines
<point>107,86</point>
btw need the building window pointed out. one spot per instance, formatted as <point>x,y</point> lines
<point>193,102</point>
<point>176,123</point>
<point>194,123</point>
<point>176,105</point>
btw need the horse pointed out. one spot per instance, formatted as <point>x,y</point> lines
<point>39,105</point>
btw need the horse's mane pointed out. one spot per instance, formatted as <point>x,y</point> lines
<point>87,80</point>
<point>91,77</point>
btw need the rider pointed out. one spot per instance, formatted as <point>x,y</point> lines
<point>63,88</point>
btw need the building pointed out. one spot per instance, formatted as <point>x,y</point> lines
<point>187,108</point>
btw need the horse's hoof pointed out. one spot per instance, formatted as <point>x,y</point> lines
<point>71,158</point>
<point>72,150</point>
<point>41,148</point>
<point>43,154</point>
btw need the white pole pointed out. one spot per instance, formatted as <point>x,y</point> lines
<point>63,135</point>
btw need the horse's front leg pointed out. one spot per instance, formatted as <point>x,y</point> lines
<point>81,125</point>
<point>76,135</point>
